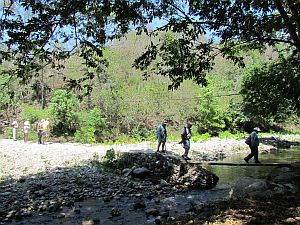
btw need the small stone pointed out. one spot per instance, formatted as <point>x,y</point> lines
<point>139,205</point>
<point>115,212</point>
<point>76,210</point>
<point>152,212</point>
<point>61,215</point>
<point>291,220</point>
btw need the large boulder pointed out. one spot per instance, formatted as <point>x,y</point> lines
<point>249,187</point>
<point>196,177</point>
<point>171,169</point>
<point>285,180</point>
<point>282,181</point>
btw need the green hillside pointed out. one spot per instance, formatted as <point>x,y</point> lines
<point>128,104</point>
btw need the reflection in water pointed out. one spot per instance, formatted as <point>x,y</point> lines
<point>229,173</point>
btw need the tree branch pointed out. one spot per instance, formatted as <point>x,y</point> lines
<point>289,24</point>
<point>295,14</point>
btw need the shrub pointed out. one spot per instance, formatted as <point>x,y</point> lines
<point>33,113</point>
<point>63,108</point>
<point>112,161</point>
<point>85,135</point>
<point>203,137</point>
<point>91,126</point>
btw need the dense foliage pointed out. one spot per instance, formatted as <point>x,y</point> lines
<point>271,89</point>
<point>63,108</point>
<point>53,30</point>
<point>50,45</point>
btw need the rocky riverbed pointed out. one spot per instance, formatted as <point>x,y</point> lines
<point>19,158</point>
<point>57,184</point>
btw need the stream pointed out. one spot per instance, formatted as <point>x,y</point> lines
<point>228,174</point>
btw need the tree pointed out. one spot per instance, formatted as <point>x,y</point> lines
<point>84,27</point>
<point>63,107</point>
<point>271,90</point>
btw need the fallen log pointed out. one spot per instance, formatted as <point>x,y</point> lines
<point>241,164</point>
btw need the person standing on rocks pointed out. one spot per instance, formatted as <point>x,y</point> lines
<point>40,131</point>
<point>26,128</point>
<point>186,134</point>
<point>15,126</point>
<point>253,144</point>
<point>45,130</point>
<point>161,135</point>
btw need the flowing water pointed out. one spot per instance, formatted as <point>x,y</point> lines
<point>230,173</point>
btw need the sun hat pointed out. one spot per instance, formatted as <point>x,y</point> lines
<point>256,129</point>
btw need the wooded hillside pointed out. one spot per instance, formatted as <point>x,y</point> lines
<point>124,104</point>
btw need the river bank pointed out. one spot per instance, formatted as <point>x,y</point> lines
<point>19,159</point>
<point>54,184</point>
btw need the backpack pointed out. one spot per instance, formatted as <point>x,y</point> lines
<point>256,141</point>
<point>160,132</point>
<point>248,140</point>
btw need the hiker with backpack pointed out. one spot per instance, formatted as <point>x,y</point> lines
<point>186,134</point>
<point>253,142</point>
<point>161,135</point>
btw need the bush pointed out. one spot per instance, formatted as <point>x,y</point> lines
<point>203,137</point>
<point>112,161</point>
<point>85,135</point>
<point>63,107</point>
<point>91,126</point>
<point>237,135</point>
<point>33,114</point>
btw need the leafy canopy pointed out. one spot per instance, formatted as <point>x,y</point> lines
<point>35,32</point>
<point>271,89</point>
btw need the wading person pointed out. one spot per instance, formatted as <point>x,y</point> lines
<point>186,134</point>
<point>161,135</point>
<point>253,142</point>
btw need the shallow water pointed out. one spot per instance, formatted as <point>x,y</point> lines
<point>229,173</point>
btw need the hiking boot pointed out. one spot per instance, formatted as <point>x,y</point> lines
<point>183,156</point>
<point>187,158</point>
<point>258,162</point>
<point>246,160</point>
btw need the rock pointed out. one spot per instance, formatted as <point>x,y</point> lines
<point>152,212</point>
<point>258,190</point>
<point>115,212</point>
<point>158,220</point>
<point>196,178</point>
<point>163,182</point>
<point>76,210</point>
<point>126,172</point>
<point>139,204</point>
<point>291,221</point>
<point>61,215</point>
<point>284,180</point>
<point>88,222</point>
<point>5,194</point>
<point>96,221</point>
<point>141,172</point>
<point>240,188</point>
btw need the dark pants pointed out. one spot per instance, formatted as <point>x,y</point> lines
<point>254,152</point>
<point>40,135</point>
